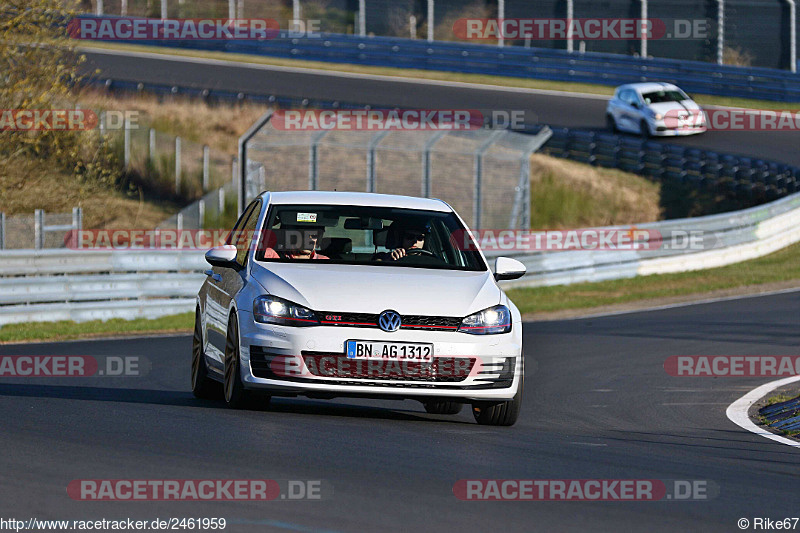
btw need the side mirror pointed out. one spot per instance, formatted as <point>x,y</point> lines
<point>222,256</point>
<point>506,268</point>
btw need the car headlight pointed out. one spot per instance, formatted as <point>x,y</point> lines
<point>495,319</point>
<point>274,310</point>
<point>657,116</point>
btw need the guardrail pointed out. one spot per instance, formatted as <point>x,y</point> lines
<point>51,285</point>
<point>48,285</point>
<point>513,61</point>
<point>729,238</point>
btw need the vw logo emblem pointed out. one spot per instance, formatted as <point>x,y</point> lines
<point>389,321</point>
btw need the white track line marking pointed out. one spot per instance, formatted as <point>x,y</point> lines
<point>737,411</point>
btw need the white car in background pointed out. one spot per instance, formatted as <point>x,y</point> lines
<point>654,109</point>
<point>312,297</point>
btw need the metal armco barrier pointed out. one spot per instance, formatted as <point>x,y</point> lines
<point>50,285</point>
<point>130,284</point>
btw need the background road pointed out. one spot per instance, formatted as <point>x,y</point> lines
<point>577,111</point>
<point>598,404</point>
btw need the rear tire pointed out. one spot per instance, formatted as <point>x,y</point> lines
<point>202,385</point>
<point>439,407</point>
<point>500,413</point>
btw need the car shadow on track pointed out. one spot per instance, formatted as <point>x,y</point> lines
<point>185,399</point>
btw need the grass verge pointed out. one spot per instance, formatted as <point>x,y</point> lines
<point>66,330</point>
<point>781,266</point>
<point>524,83</point>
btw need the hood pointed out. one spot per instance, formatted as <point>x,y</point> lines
<point>373,289</point>
<point>665,107</point>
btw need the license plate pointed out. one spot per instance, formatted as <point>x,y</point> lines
<point>397,351</point>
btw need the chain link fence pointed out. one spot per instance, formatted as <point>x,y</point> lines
<point>39,230</point>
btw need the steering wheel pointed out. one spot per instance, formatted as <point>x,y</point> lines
<point>420,251</point>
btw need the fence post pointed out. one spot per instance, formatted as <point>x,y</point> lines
<point>296,11</point>
<point>163,9</point>
<point>221,201</point>
<point>412,26</point>
<point>720,32</point>
<point>426,162</point>
<point>501,14</point>
<point>126,142</point>
<point>362,18</point>
<point>179,223</point>
<point>2,231</point>
<point>792,35</point>
<point>38,229</point>
<point>77,218</point>
<point>430,21</point>
<point>206,170</point>
<point>373,143</point>
<point>123,8</point>
<point>477,199</point>
<point>231,9</point>
<point>99,7</point>
<point>643,26</point>
<point>313,160</point>
<point>151,146</point>
<point>570,13</point>
<point>177,165</point>
<point>201,213</point>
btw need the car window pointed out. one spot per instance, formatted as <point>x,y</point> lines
<point>657,97</point>
<point>243,231</point>
<point>368,235</point>
<point>629,97</point>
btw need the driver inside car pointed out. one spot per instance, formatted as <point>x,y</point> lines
<point>299,242</point>
<point>409,238</point>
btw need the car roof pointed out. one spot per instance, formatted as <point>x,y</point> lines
<point>355,198</point>
<point>646,87</point>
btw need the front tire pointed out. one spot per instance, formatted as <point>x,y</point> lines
<point>202,385</point>
<point>502,413</point>
<point>611,123</point>
<point>236,396</point>
<point>439,407</point>
<point>644,129</point>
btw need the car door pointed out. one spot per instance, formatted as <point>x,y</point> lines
<point>629,114</point>
<point>224,283</point>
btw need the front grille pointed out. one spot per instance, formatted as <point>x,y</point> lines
<point>444,373</point>
<point>370,320</point>
<point>441,370</point>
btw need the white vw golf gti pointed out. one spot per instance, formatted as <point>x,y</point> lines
<point>327,294</point>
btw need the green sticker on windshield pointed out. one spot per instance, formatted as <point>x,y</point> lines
<point>306,217</point>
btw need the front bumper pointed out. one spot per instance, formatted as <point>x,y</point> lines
<point>311,361</point>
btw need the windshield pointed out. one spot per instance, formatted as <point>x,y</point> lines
<point>367,235</point>
<point>657,97</point>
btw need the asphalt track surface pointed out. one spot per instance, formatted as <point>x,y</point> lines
<point>577,111</point>
<point>598,404</point>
